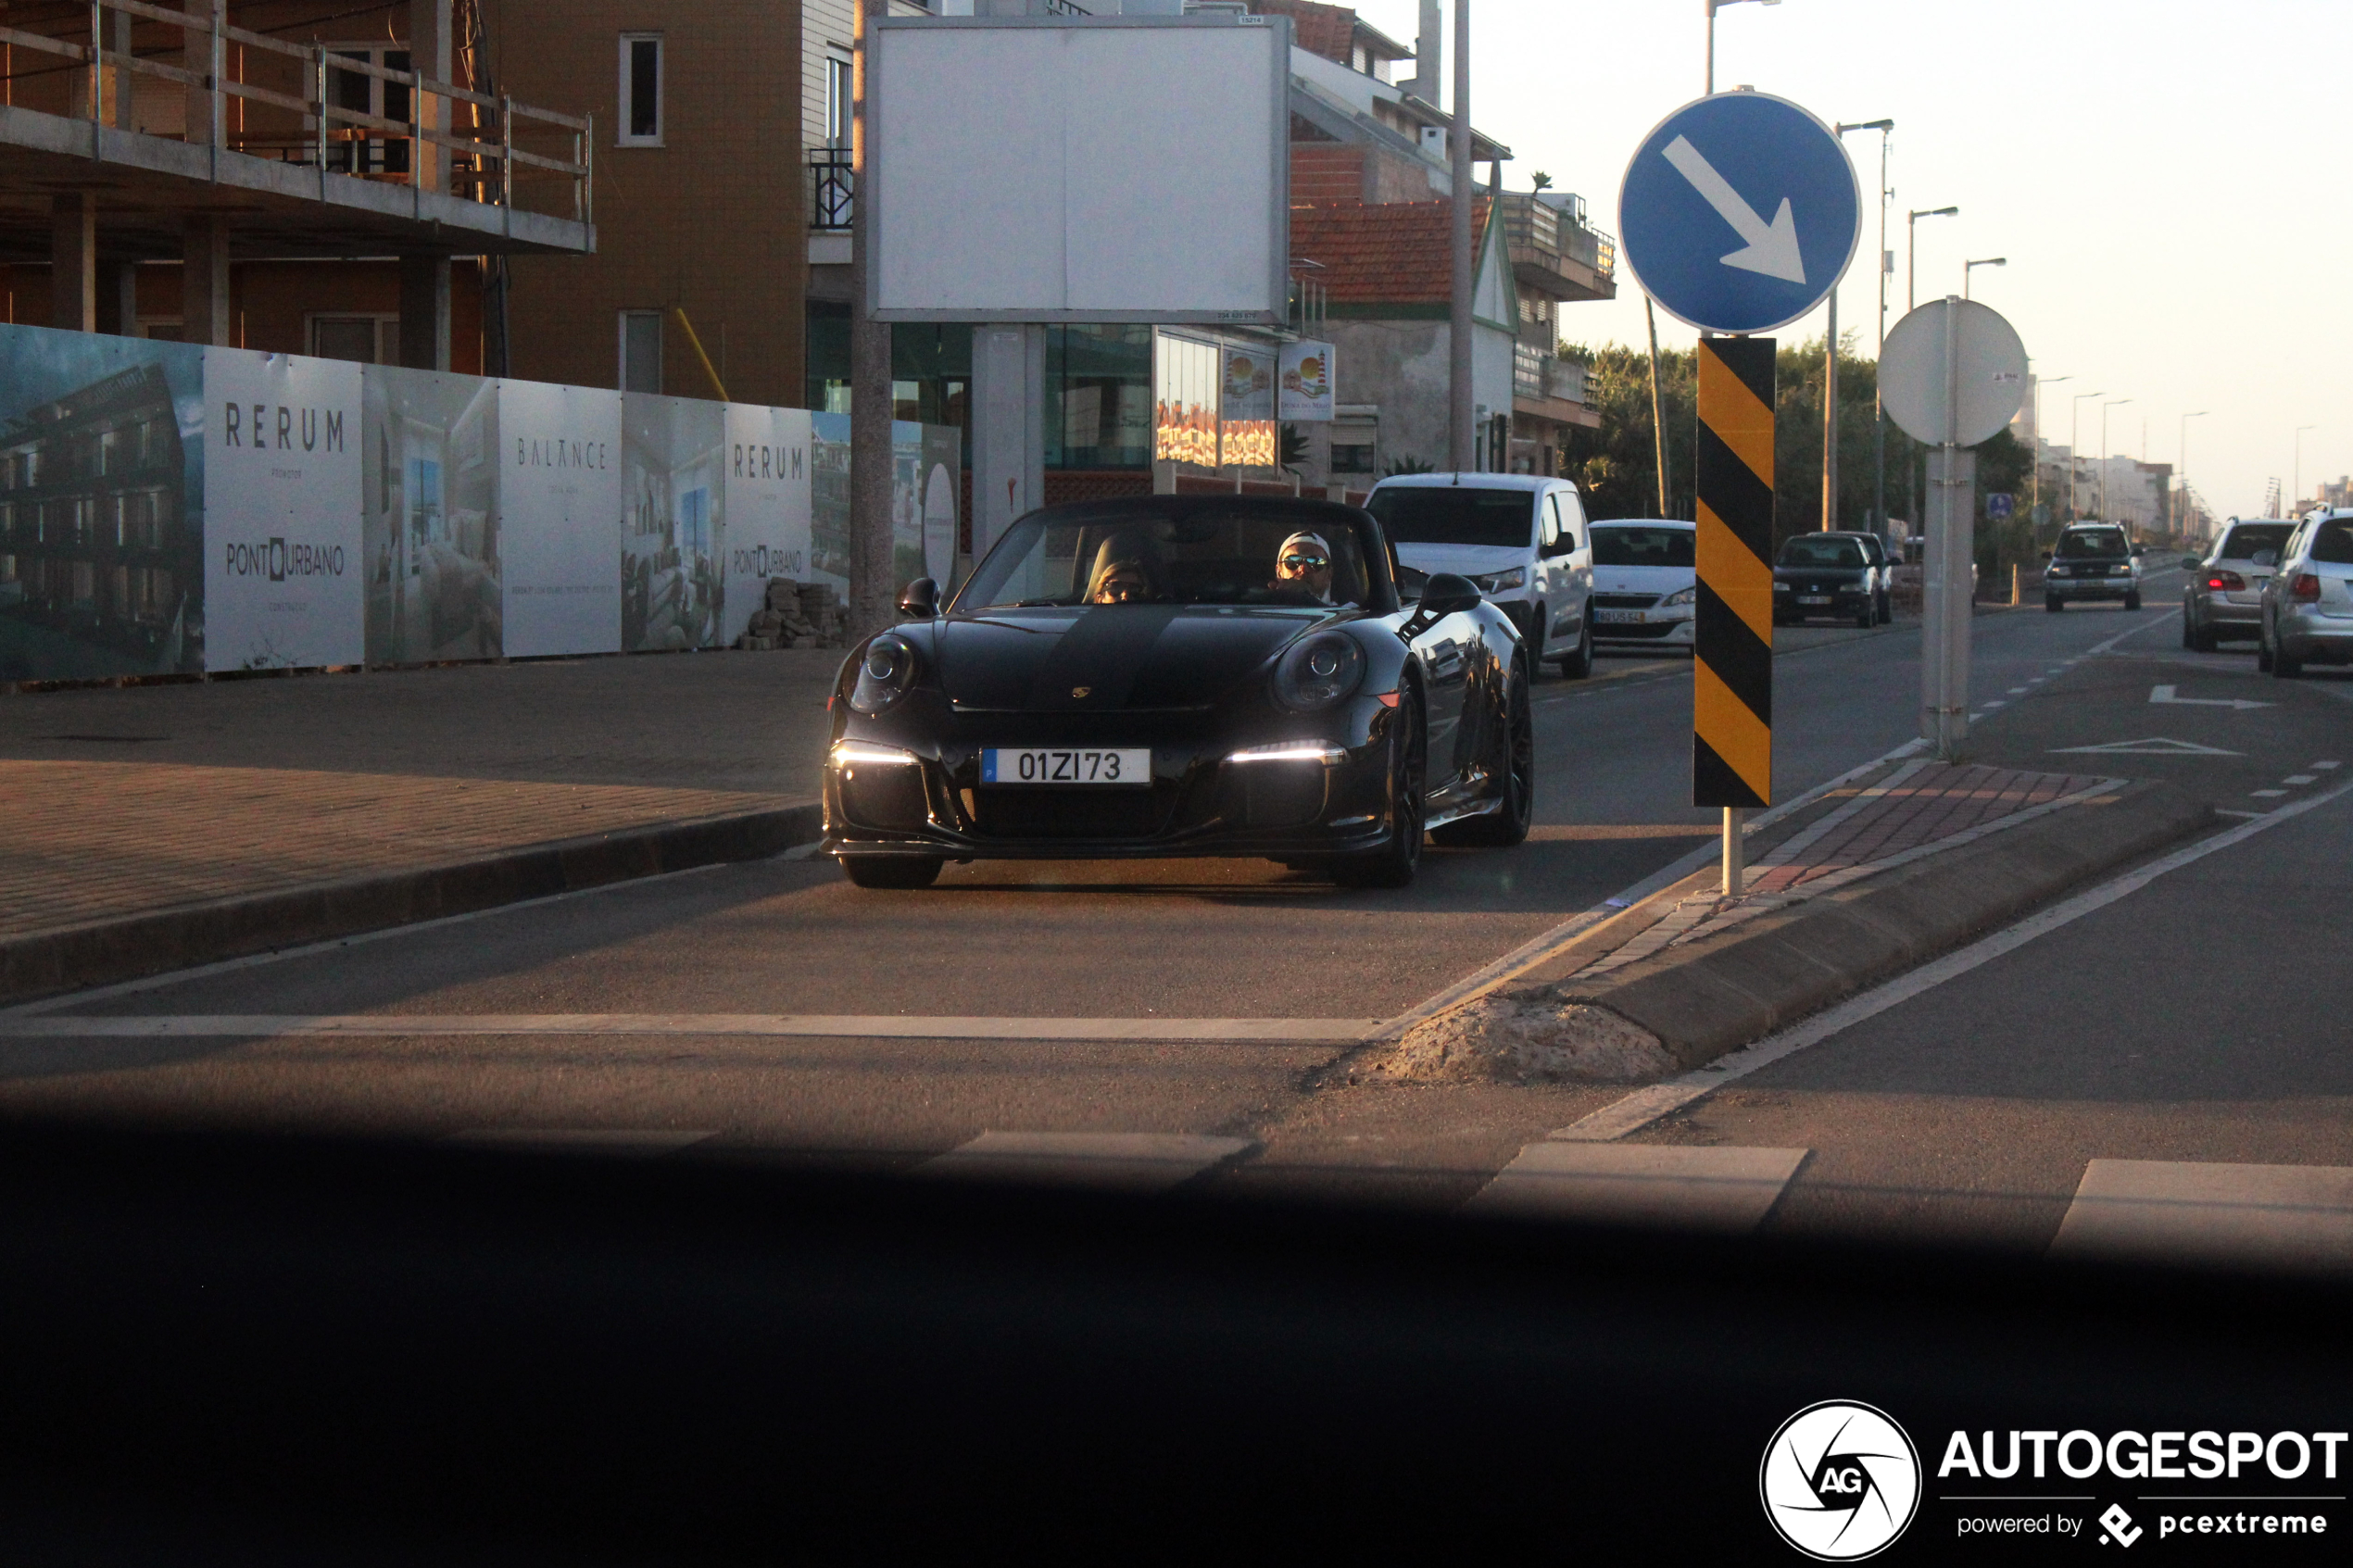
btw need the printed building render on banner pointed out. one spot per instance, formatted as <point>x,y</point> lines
<point>559,522</point>
<point>102,464</point>
<point>767,507</point>
<point>429,516</point>
<point>675,515</point>
<point>284,579</point>
<point>915,449</point>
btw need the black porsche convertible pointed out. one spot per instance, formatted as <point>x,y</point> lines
<point>1182,675</point>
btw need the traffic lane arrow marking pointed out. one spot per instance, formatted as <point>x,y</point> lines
<point>1772,248</point>
<point>2236,704</point>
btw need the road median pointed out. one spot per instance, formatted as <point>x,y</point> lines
<point>1685,977</point>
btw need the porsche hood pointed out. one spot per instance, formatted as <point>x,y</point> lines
<point>1108,657</point>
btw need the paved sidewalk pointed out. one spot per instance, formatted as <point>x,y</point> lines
<point>151,826</point>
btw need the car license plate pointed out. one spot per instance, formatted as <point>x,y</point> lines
<point>1616,617</point>
<point>1813,599</point>
<point>1042,765</point>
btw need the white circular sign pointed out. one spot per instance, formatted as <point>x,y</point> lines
<point>940,526</point>
<point>1840,1481</point>
<point>1913,383</point>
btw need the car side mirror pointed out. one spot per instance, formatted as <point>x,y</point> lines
<point>920,599</point>
<point>2190,563</point>
<point>1446,594</point>
<point>2046,554</point>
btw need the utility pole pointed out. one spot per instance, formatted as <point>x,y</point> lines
<point>1912,250</point>
<point>870,545</point>
<point>1878,403</point>
<point>2074,414</point>
<point>1830,357</point>
<point>1969,267</point>
<point>1658,419</point>
<point>1461,440</point>
<point>1711,5</point>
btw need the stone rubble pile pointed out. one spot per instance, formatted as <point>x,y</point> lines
<point>797,615</point>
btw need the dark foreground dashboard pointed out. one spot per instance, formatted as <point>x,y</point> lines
<point>225,1349</point>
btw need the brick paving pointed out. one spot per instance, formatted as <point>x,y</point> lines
<point>84,842</point>
<point>1915,809</point>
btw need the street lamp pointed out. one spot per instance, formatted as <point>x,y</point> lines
<point>1911,248</point>
<point>1886,265</point>
<point>1968,267</point>
<point>2074,412</point>
<point>2181,456</point>
<point>2113,403</point>
<point>1711,6</point>
<point>2039,383</point>
<point>1830,351</point>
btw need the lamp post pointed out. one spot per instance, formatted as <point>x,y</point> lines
<point>1878,406</point>
<point>2112,403</point>
<point>2182,458</point>
<point>2074,414</point>
<point>1912,249</point>
<point>2039,381</point>
<point>1830,360</point>
<point>1711,6</point>
<point>1969,267</point>
<point>2296,495</point>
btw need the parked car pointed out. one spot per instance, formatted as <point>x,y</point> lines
<point>2223,600</point>
<point>2092,560</point>
<point>1646,582</point>
<point>2308,604</point>
<point>1159,675</point>
<point>1519,538</point>
<point>1831,576</point>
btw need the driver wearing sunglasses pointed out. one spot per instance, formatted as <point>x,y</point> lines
<point>1304,563</point>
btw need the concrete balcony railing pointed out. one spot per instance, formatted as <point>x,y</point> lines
<point>1554,250</point>
<point>1540,375</point>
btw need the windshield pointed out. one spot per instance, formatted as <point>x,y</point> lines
<point>2079,542</point>
<point>1617,544</point>
<point>1803,551</point>
<point>1215,553</point>
<point>2249,538</point>
<point>1455,514</point>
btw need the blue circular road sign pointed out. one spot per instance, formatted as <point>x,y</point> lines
<point>1740,213</point>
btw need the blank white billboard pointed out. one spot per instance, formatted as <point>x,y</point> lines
<point>1117,169</point>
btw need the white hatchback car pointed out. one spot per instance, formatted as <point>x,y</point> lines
<point>1520,538</point>
<point>1646,582</point>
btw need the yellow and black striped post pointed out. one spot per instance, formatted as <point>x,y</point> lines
<point>1732,665</point>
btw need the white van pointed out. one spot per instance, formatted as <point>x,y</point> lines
<point>1519,537</point>
<point>1646,582</point>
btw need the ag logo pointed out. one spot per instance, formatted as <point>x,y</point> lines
<point>2120,1525</point>
<point>1840,1480</point>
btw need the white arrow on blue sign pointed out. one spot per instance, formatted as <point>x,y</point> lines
<point>1740,213</point>
<point>1998,505</point>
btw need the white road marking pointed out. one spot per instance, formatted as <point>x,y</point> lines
<point>890,1026</point>
<point>2018,691</point>
<point>2227,811</point>
<point>1724,1190</point>
<point>2149,745</point>
<point>1121,1161</point>
<point>1644,1106</point>
<point>2163,694</point>
<point>643,1143</point>
<point>2301,779</point>
<point>2179,1211</point>
<point>2267,794</point>
<point>1996,702</point>
<point>2324,764</point>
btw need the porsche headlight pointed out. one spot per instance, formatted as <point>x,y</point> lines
<point>886,674</point>
<point>1691,595</point>
<point>1317,672</point>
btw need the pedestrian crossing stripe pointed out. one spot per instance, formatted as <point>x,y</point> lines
<point>1732,653</point>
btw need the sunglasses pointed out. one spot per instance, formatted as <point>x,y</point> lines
<point>1306,563</point>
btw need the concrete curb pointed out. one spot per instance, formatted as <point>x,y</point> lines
<point>106,951</point>
<point>1717,994</point>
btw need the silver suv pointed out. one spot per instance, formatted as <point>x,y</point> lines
<point>2093,560</point>
<point>2308,604</point>
<point>2224,598</point>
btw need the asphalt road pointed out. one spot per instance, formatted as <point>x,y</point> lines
<point>2197,1017</point>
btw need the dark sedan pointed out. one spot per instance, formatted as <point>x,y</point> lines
<point>1829,576</point>
<point>1181,676</point>
<point>2092,562</point>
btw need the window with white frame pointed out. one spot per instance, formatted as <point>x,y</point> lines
<point>641,351</point>
<point>838,100</point>
<point>641,90</point>
<point>352,148</point>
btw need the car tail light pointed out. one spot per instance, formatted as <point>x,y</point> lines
<point>2228,582</point>
<point>2306,589</point>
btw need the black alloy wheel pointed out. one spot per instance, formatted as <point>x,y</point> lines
<point>2263,648</point>
<point>2189,628</point>
<point>1512,762</point>
<point>1578,665</point>
<point>904,872</point>
<point>2282,667</point>
<point>1393,864</point>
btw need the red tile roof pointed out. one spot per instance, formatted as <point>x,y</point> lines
<point>1328,31</point>
<point>1386,253</point>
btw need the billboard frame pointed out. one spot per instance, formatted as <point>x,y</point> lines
<point>874,182</point>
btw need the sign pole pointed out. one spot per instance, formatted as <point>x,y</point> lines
<point>1733,652</point>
